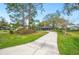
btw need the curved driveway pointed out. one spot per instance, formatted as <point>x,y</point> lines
<point>45,45</point>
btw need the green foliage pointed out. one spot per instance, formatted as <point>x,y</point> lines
<point>43,23</point>
<point>4,24</point>
<point>52,19</point>
<point>55,21</point>
<point>23,11</point>
<point>70,7</point>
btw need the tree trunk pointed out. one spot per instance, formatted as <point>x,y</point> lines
<point>23,17</point>
<point>29,16</point>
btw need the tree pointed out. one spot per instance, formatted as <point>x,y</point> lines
<point>23,11</point>
<point>43,23</point>
<point>4,25</point>
<point>63,24</point>
<point>3,22</point>
<point>17,11</point>
<point>52,18</point>
<point>32,11</point>
<point>15,24</point>
<point>70,7</point>
<point>57,22</point>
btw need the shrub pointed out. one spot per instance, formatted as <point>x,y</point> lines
<point>24,30</point>
<point>11,32</point>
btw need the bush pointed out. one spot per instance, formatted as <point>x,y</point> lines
<point>11,32</point>
<point>24,30</point>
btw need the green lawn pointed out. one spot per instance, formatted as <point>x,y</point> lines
<point>68,44</point>
<point>7,40</point>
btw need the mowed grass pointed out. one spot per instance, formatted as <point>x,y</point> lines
<point>8,40</point>
<point>68,44</point>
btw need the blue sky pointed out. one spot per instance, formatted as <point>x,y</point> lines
<point>49,8</point>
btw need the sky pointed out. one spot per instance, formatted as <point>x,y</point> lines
<point>49,8</point>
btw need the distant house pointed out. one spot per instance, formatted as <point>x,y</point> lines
<point>46,28</point>
<point>4,28</point>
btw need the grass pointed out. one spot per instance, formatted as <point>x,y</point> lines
<point>8,40</point>
<point>68,44</point>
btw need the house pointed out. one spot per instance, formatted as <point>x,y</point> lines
<point>46,28</point>
<point>4,28</point>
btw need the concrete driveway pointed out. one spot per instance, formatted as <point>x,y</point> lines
<point>45,45</point>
